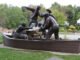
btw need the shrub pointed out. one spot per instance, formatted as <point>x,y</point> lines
<point>72,28</point>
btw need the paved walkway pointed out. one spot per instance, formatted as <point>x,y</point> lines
<point>2,46</point>
<point>69,36</point>
<point>55,58</point>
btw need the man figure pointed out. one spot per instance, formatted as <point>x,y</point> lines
<point>34,17</point>
<point>20,32</point>
<point>52,26</point>
<point>48,12</point>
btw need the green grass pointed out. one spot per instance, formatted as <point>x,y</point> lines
<point>12,54</point>
<point>1,39</point>
<point>9,54</point>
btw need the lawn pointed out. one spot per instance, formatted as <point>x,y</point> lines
<point>12,54</point>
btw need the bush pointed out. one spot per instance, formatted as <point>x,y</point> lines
<point>72,28</point>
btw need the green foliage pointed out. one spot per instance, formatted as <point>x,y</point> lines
<point>14,17</point>
<point>3,14</point>
<point>60,16</point>
<point>1,39</point>
<point>72,28</point>
<point>69,13</point>
<point>10,16</point>
<point>58,13</point>
<point>78,15</point>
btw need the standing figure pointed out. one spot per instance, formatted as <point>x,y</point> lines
<point>48,12</point>
<point>52,26</point>
<point>34,17</point>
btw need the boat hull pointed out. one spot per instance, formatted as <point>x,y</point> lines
<point>47,45</point>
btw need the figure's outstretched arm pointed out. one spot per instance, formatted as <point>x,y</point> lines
<point>28,8</point>
<point>36,12</point>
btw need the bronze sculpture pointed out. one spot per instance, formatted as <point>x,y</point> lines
<point>50,24</point>
<point>34,17</point>
<point>20,31</point>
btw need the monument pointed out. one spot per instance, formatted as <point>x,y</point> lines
<point>34,40</point>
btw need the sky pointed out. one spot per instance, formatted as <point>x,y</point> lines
<point>46,3</point>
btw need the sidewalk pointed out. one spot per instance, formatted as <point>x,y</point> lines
<point>2,46</point>
<point>68,36</point>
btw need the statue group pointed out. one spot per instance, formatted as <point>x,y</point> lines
<point>49,24</point>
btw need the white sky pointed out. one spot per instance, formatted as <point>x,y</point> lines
<point>46,3</point>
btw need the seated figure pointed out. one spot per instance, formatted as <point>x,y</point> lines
<point>20,32</point>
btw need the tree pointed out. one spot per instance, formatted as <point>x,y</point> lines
<point>58,13</point>
<point>11,16</point>
<point>60,16</point>
<point>3,9</point>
